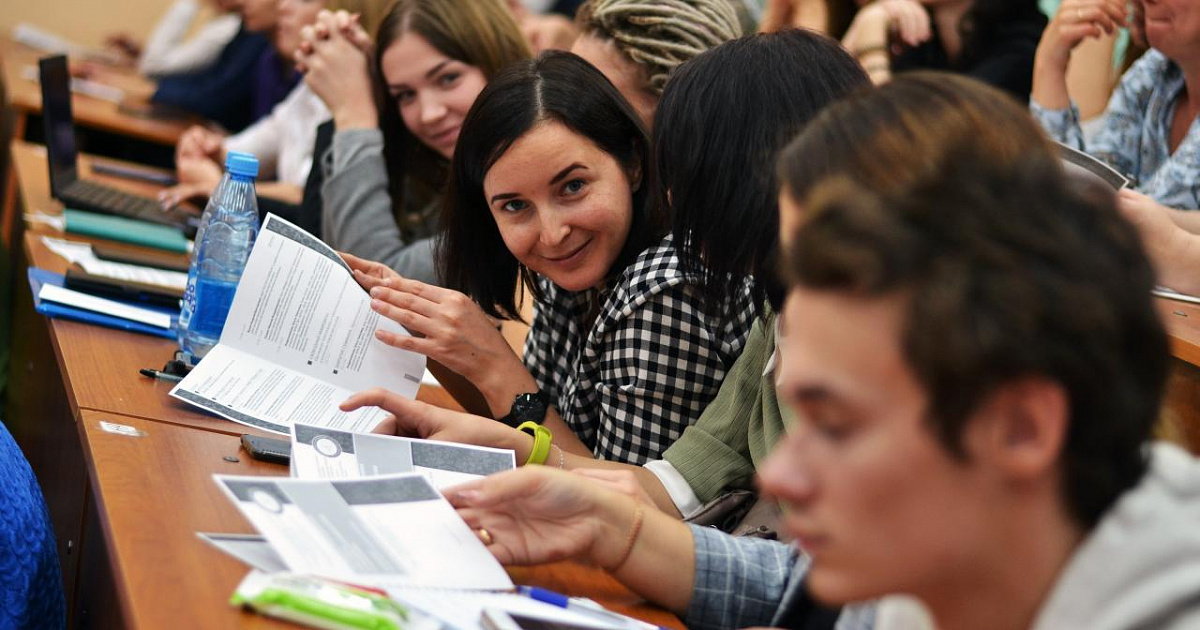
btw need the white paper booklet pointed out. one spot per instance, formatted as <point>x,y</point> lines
<point>1172,294</point>
<point>324,453</point>
<point>391,531</point>
<point>1085,165</point>
<point>299,340</point>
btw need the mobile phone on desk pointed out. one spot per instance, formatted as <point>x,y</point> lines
<point>114,253</point>
<point>268,449</point>
<point>136,173</point>
<point>496,619</point>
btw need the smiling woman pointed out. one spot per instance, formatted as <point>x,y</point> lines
<point>397,107</point>
<point>549,193</point>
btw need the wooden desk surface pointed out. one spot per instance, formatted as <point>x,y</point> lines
<point>1182,320</point>
<point>25,96</point>
<point>156,491</point>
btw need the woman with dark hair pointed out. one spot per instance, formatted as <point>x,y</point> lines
<point>550,192</point>
<point>388,163</point>
<point>991,40</point>
<point>725,226</point>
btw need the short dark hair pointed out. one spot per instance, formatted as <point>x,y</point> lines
<point>1009,269</point>
<point>557,86</point>
<point>723,120</point>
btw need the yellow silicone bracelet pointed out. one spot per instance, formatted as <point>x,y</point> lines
<point>541,442</point>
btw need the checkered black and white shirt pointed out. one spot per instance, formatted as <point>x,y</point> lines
<point>632,381</point>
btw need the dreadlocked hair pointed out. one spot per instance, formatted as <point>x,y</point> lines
<point>659,35</point>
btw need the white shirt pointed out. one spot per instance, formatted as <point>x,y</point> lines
<point>166,51</point>
<point>283,141</point>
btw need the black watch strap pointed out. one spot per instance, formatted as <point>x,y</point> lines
<point>527,408</point>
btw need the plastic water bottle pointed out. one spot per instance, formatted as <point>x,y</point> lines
<point>223,242</point>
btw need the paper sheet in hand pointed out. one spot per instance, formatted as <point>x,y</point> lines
<point>389,531</point>
<point>1082,164</point>
<point>299,340</point>
<point>323,453</point>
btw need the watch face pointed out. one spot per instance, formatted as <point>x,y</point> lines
<point>529,407</point>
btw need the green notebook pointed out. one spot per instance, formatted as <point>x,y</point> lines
<point>126,230</point>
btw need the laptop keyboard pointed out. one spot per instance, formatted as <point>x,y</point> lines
<point>86,195</point>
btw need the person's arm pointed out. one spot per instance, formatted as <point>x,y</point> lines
<point>222,92</point>
<point>357,210</point>
<point>265,137</point>
<point>536,515</point>
<point>166,52</point>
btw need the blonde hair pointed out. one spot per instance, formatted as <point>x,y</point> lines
<point>659,35</point>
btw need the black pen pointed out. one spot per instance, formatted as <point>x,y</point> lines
<point>162,376</point>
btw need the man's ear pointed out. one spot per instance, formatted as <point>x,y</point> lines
<point>1023,427</point>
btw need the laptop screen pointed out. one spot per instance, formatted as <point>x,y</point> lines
<point>60,124</point>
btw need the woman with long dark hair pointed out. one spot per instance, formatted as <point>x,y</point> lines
<point>551,193</point>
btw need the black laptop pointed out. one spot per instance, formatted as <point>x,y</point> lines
<point>65,184</point>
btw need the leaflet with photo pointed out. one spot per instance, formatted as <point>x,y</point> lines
<point>387,531</point>
<point>299,340</point>
<point>324,453</point>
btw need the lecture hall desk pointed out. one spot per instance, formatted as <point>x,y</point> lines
<point>25,100</point>
<point>126,508</point>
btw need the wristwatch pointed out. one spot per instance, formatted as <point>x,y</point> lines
<point>527,408</point>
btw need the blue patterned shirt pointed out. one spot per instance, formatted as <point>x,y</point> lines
<point>743,582</point>
<point>1135,138</point>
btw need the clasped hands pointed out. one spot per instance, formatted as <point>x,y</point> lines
<point>334,55</point>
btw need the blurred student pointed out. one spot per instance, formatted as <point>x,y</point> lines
<point>170,51</point>
<point>31,590</point>
<point>964,435</point>
<point>283,141</point>
<point>1150,131</point>
<point>638,44</point>
<point>991,40</point>
<point>242,84</point>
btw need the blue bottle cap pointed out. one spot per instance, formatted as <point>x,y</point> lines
<point>241,164</point>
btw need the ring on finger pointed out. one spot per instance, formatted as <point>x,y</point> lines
<point>485,536</point>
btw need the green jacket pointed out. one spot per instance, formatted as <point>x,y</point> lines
<point>721,451</point>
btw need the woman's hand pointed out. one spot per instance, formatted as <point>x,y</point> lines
<point>536,515</point>
<point>198,177</point>
<point>416,419</point>
<point>336,69</point>
<point>368,273</point>
<point>200,141</point>
<point>1075,21</point>
<point>1168,245</point>
<point>448,326</point>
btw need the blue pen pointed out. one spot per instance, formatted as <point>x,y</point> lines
<point>582,606</point>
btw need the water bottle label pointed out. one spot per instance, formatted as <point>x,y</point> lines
<point>213,299</point>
